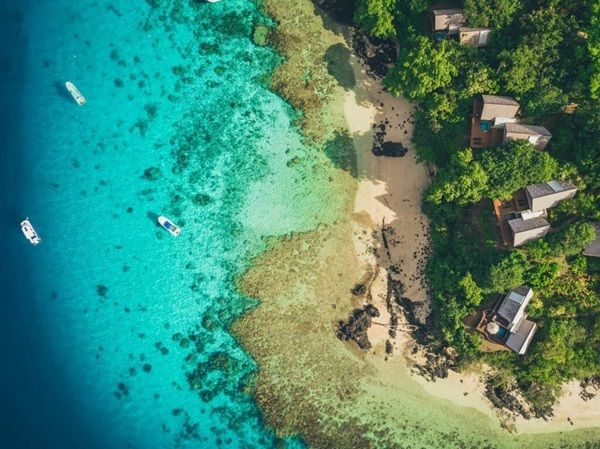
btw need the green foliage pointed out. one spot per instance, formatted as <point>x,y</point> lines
<point>480,80</point>
<point>463,182</point>
<point>376,17</point>
<point>593,47</point>
<point>508,273</point>
<point>421,69</point>
<point>547,55</point>
<point>565,350</point>
<point>541,275</point>
<point>572,239</point>
<point>579,265</point>
<point>472,294</point>
<point>491,13</point>
<point>513,166</point>
<point>530,70</point>
<point>492,173</point>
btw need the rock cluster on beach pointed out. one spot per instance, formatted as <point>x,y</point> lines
<point>355,328</point>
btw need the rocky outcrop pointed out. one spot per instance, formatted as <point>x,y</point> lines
<point>357,325</point>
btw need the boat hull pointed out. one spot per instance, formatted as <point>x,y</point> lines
<point>30,233</point>
<point>169,226</point>
<point>77,96</point>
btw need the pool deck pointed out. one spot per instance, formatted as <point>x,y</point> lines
<point>479,137</point>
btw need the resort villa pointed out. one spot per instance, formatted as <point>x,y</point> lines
<point>452,23</point>
<point>475,37</point>
<point>523,217</point>
<point>447,20</point>
<point>506,324</point>
<point>494,122</point>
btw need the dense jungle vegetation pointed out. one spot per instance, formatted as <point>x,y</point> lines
<point>545,54</point>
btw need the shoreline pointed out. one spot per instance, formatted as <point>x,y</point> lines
<point>304,285</point>
<point>389,193</point>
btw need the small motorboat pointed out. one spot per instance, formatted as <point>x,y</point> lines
<point>77,96</point>
<point>169,226</point>
<point>29,232</point>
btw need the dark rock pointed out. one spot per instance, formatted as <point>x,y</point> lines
<point>151,174</point>
<point>359,290</point>
<point>200,199</point>
<point>356,327</point>
<point>388,347</point>
<point>371,310</point>
<point>391,149</point>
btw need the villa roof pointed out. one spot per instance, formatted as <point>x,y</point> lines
<point>498,99</point>
<point>512,307</point>
<point>498,106</point>
<point>447,11</point>
<point>519,225</point>
<point>593,249</point>
<point>548,188</point>
<point>519,341</point>
<point>530,130</point>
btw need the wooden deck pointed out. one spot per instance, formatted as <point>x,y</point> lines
<point>502,209</point>
<point>479,137</point>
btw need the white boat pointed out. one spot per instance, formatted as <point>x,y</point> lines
<point>169,226</point>
<point>80,99</point>
<point>29,232</point>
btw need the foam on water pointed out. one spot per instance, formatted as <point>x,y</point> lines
<point>116,333</point>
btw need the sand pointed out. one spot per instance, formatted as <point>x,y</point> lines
<point>390,192</point>
<point>311,383</point>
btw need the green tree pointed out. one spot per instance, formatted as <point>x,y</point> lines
<point>491,13</point>
<point>422,68</point>
<point>593,47</point>
<point>472,293</point>
<point>508,273</point>
<point>572,239</point>
<point>376,17</point>
<point>480,80</point>
<point>464,181</point>
<point>514,166</point>
<point>520,68</point>
<point>542,274</point>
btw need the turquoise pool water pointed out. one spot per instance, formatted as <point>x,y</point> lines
<point>115,334</point>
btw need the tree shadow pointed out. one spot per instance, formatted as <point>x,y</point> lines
<point>340,10</point>
<point>338,65</point>
<point>341,152</point>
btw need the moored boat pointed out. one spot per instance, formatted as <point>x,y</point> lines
<point>29,232</point>
<point>169,226</point>
<point>79,98</point>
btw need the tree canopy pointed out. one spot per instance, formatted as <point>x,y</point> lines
<point>545,54</point>
<point>421,69</point>
<point>491,13</point>
<point>376,17</point>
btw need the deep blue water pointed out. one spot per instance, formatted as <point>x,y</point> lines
<point>112,333</point>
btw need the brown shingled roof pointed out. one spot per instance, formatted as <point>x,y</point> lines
<point>531,130</point>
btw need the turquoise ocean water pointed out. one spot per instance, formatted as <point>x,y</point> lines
<point>114,334</point>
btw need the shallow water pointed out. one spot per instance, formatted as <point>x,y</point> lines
<point>114,334</point>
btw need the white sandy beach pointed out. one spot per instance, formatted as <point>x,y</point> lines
<point>389,193</point>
